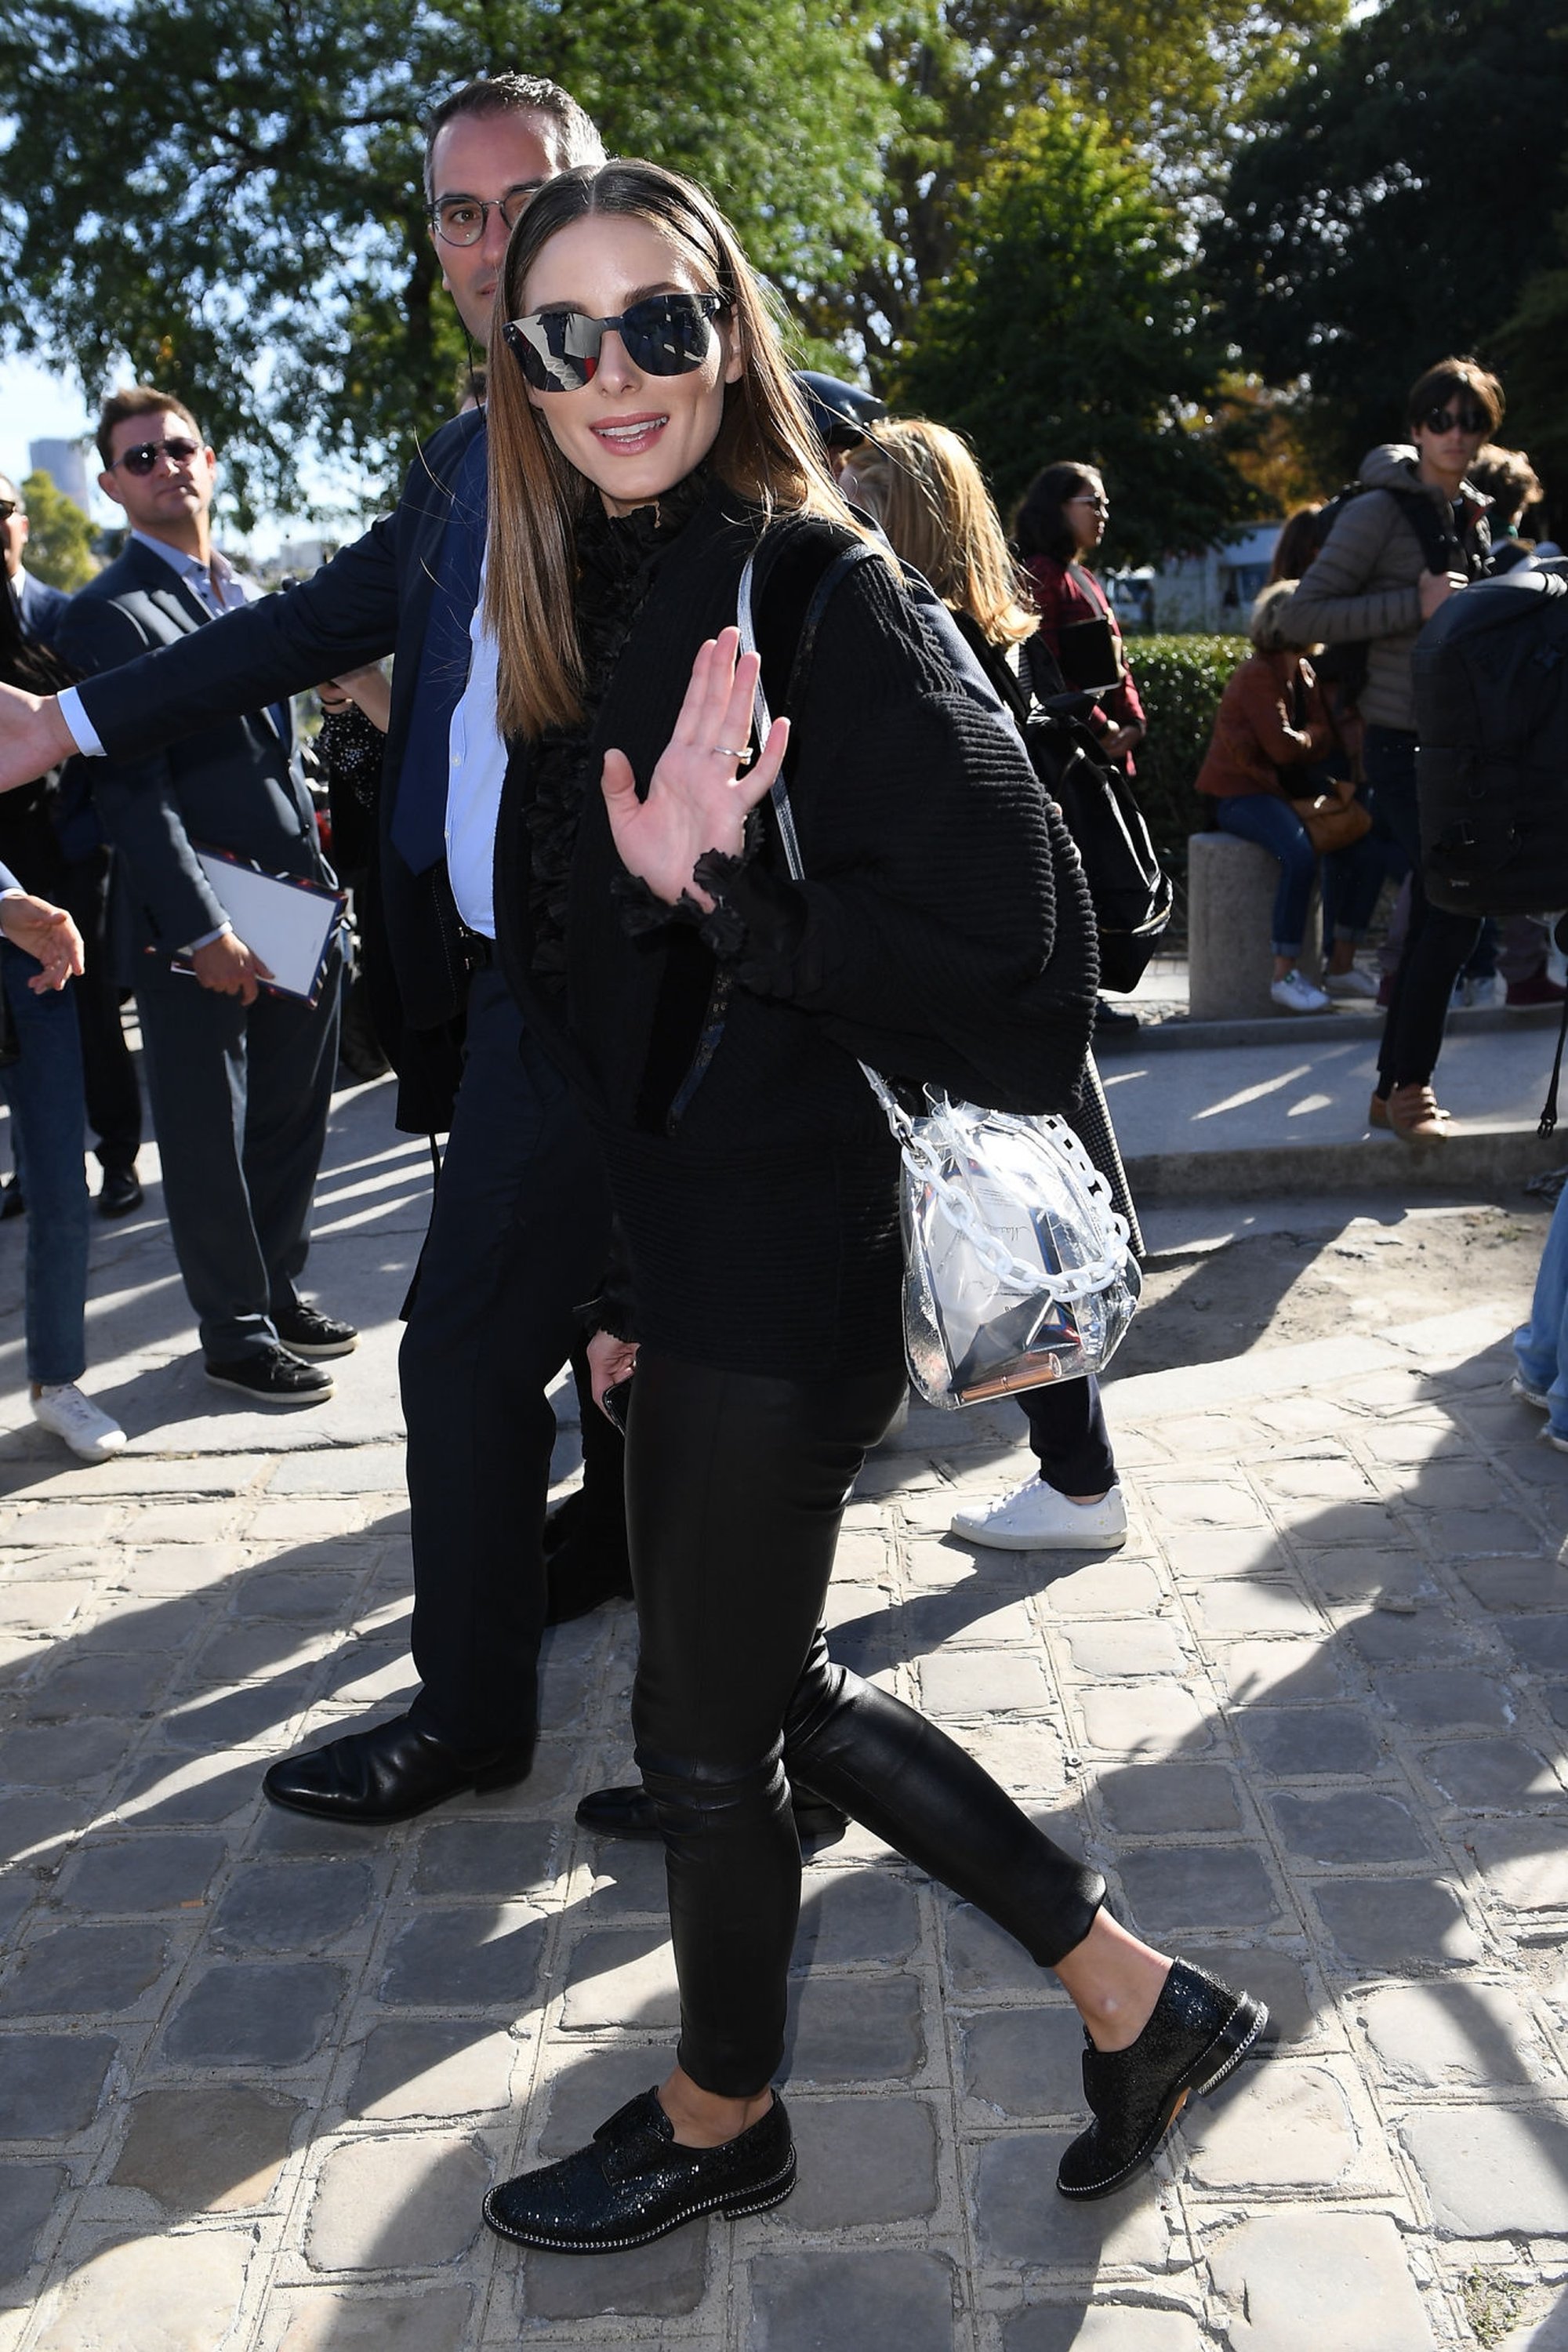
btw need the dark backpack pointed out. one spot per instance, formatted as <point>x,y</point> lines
<point>1491,712</point>
<point>1131,893</point>
<point>1344,665</point>
<point>1492,769</point>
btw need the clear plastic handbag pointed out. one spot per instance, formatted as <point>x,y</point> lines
<point>1018,1269</point>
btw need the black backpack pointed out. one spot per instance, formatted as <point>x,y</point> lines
<point>1131,893</point>
<point>1492,769</point>
<point>1344,665</point>
<point>1491,712</point>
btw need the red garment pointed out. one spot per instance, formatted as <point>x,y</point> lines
<point>1255,729</point>
<point>1060,600</point>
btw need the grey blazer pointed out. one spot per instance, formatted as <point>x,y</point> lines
<point>229,786</point>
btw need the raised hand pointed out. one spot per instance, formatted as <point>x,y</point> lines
<point>696,800</point>
<point>45,932</point>
<point>34,738</point>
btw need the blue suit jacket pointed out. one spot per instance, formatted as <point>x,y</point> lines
<point>370,600</point>
<point>231,786</point>
<point>42,609</point>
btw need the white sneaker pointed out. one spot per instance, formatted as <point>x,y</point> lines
<point>1297,995</point>
<point>1353,982</point>
<point>1037,1518</point>
<point>88,1431</point>
<point>1528,1396</point>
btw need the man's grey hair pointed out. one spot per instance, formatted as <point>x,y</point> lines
<point>563,124</point>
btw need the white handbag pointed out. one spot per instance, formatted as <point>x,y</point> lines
<point>1018,1268</point>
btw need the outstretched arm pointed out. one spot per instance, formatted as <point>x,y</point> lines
<point>34,738</point>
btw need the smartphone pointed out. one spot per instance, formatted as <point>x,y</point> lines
<point>616,1401</point>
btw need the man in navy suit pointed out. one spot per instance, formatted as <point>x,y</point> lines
<point>240,1078</point>
<point>520,1221</point>
<point>41,607</point>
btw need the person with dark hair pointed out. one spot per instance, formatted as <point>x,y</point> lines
<point>1416,534</point>
<point>1273,751</point>
<point>646,441</point>
<point>41,1082</point>
<point>1061,520</point>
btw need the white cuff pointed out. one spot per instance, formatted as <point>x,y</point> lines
<point>83,733</point>
<point>207,938</point>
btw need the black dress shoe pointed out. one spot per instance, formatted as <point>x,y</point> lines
<point>120,1192</point>
<point>587,1564</point>
<point>272,1376</point>
<point>389,1774</point>
<point>1199,2029</point>
<point>628,1813</point>
<point>1112,1021</point>
<point>636,2182</point>
<point>11,1201</point>
<point>305,1331</point>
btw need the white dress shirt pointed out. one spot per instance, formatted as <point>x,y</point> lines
<point>476,772</point>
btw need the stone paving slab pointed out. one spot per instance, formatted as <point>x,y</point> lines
<point>256,2071</point>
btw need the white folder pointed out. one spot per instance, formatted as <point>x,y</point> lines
<point>289,924</point>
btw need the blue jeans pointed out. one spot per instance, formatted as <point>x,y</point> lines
<point>44,1093</point>
<point>1353,877</point>
<point>1540,1346</point>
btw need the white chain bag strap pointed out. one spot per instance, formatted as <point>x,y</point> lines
<point>1018,1269</point>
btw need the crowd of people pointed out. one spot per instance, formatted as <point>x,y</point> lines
<point>637,1022</point>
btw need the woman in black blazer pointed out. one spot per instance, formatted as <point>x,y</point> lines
<point>645,440</point>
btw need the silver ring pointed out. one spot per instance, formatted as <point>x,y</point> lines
<point>723,752</point>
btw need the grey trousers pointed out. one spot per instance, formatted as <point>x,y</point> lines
<point>240,1095</point>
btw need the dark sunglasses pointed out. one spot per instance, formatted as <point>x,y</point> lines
<point>665,334</point>
<point>146,453</point>
<point>1462,420</point>
<point>8,506</point>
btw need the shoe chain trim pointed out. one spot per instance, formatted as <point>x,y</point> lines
<point>1200,2090</point>
<point>757,2201</point>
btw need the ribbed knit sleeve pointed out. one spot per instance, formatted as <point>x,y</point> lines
<point>931,931</point>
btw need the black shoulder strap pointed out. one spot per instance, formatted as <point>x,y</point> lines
<point>1439,542</point>
<point>794,588</point>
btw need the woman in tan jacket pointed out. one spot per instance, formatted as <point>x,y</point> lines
<point>1274,743</point>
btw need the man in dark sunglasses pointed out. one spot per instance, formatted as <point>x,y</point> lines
<point>519,1227</point>
<point>1417,534</point>
<point>240,1078</point>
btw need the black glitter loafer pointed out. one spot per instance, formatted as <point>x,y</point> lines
<point>636,2182</point>
<point>1199,2029</point>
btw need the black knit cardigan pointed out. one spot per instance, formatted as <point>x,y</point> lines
<point>944,933</point>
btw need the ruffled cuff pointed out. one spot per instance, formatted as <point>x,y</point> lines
<point>755,924</point>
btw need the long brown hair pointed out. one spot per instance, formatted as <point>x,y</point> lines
<point>765,448</point>
<point>931,499</point>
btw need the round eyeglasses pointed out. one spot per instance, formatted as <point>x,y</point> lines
<point>460,220</point>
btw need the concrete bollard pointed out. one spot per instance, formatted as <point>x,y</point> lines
<point>1230,910</point>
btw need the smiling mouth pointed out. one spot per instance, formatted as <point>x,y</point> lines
<point>631,434</point>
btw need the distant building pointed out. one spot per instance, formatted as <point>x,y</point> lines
<point>1214,589</point>
<point>65,466</point>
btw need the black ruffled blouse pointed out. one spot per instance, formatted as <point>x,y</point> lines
<point>617,558</point>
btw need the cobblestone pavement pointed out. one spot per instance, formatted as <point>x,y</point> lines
<point>255,2074</point>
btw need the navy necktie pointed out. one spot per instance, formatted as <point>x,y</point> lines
<point>420,812</point>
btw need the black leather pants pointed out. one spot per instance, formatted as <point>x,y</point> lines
<point>735,1488</point>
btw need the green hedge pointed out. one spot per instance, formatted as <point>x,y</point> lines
<point>1181,681</point>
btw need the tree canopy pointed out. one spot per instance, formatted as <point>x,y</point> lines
<point>228,192</point>
<point>1065,329</point>
<point>1393,203</point>
<point>60,536</point>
